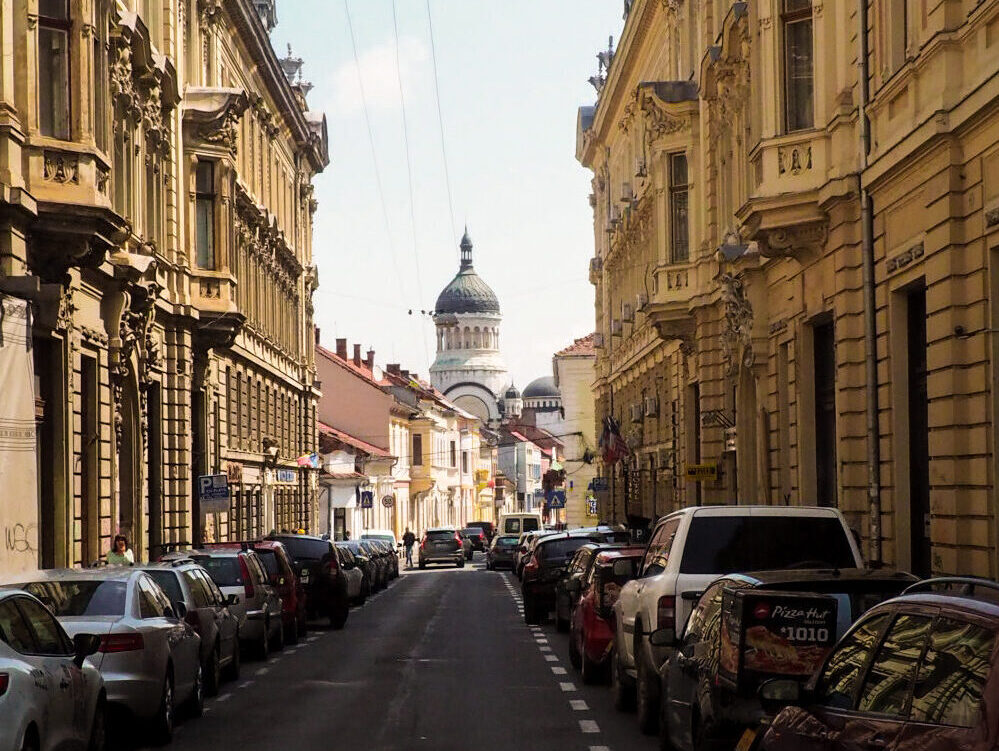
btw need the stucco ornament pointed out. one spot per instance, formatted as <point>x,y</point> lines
<point>737,338</point>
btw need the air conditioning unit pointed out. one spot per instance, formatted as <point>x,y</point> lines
<point>598,341</point>
<point>627,314</point>
<point>651,406</point>
<point>641,300</point>
<point>627,194</point>
<point>615,214</point>
<point>636,412</point>
<point>616,327</point>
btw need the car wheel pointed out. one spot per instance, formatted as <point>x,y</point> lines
<point>30,742</point>
<point>291,634</point>
<point>590,671</point>
<point>163,721</point>
<point>646,695</point>
<point>461,563</point>
<point>574,656</point>
<point>624,694</point>
<point>277,640</point>
<point>531,615</point>
<point>423,565</point>
<point>213,672</point>
<point>98,730</point>
<point>338,618</point>
<point>232,669</point>
<point>196,702</point>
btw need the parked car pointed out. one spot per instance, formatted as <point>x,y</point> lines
<point>391,557</point>
<point>516,523</point>
<point>689,549</point>
<point>241,576</point>
<point>486,527</point>
<point>51,696</point>
<point>566,595</point>
<point>149,657</point>
<point>187,583</point>
<point>318,568</point>
<point>364,563</point>
<point>502,552</point>
<point>377,556</point>
<point>548,560</point>
<point>527,542</point>
<point>281,575</point>
<point>384,535</point>
<point>466,545</point>
<point>591,625</point>
<point>746,628</point>
<point>353,573</point>
<point>477,536</point>
<point>916,672</point>
<point>441,545</point>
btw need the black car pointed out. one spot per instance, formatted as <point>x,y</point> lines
<point>502,552</point>
<point>478,537</point>
<point>577,570</point>
<point>364,562</point>
<point>208,613</point>
<point>383,569</point>
<point>747,628</point>
<point>318,568</point>
<point>548,560</point>
<point>486,527</point>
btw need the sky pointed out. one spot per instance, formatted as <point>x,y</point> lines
<point>511,76</point>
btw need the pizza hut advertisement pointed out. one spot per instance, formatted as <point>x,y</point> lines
<point>767,634</point>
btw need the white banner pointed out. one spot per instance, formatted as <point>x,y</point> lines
<point>18,463</point>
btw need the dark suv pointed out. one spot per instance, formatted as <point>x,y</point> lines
<point>208,613</point>
<point>318,568</point>
<point>442,545</point>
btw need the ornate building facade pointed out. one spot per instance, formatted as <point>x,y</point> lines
<point>795,265</point>
<point>155,187</point>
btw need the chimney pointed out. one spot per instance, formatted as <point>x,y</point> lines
<point>341,349</point>
<point>370,360</point>
<point>405,374</point>
<point>357,355</point>
<point>316,332</point>
<point>393,368</point>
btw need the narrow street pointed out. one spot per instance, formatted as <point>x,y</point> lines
<point>441,660</point>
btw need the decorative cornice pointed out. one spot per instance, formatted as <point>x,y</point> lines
<point>213,114</point>
<point>794,241</point>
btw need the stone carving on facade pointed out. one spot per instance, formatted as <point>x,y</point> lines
<point>208,13</point>
<point>793,241</point>
<point>215,113</point>
<point>992,217</point>
<point>61,168</point>
<point>737,337</point>
<point>793,160</point>
<point>66,316</point>
<point>122,87</point>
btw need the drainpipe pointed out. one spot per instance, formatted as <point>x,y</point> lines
<point>870,300</point>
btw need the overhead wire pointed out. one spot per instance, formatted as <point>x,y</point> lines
<point>440,121</point>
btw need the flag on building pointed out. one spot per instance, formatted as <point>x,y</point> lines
<point>613,447</point>
<point>309,460</point>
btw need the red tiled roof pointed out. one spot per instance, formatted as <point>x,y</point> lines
<point>348,364</point>
<point>581,347</point>
<point>368,448</point>
<point>344,476</point>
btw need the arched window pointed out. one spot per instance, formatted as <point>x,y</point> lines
<point>476,338</point>
<point>468,338</point>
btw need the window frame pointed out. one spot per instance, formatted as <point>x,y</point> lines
<point>207,198</point>
<point>63,26</point>
<point>674,192</point>
<point>788,18</point>
<point>417,448</point>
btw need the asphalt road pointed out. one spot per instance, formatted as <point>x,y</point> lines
<point>441,660</point>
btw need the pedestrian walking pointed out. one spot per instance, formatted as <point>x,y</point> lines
<point>120,554</point>
<point>409,539</point>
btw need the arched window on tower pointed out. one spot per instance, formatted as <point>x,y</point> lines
<point>468,338</point>
<point>477,338</point>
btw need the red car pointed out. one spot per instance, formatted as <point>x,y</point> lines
<point>591,630</point>
<point>281,573</point>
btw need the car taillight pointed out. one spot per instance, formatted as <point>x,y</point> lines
<point>532,565</point>
<point>121,643</point>
<point>247,581</point>
<point>423,544</point>
<point>457,539</point>
<point>4,682</point>
<point>666,612</point>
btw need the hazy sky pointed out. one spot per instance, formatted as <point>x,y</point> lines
<point>511,74</point>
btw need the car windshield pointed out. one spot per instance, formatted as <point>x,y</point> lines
<point>81,598</point>
<point>506,542</point>
<point>225,571</point>
<point>472,532</point>
<point>726,544</point>
<point>530,523</point>
<point>443,535</point>
<point>168,582</point>
<point>305,548</point>
<point>618,572</point>
<point>557,550</point>
<point>269,559</point>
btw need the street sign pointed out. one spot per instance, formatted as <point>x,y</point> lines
<point>367,499</point>
<point>591,506</point>
<point>388,501</point>
<point>234,471</point>
<point>701,472</point>
<point>213,493</point>
<point>555,499</point>
<point>287,475</point>
<point>598,484</point>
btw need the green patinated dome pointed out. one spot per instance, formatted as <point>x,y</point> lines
<point>467,293</point>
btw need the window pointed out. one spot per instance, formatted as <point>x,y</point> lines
<point>679,189</point>
<point>204,209</point>
<point>149,603</point>
<point>417,449</point>
<point>14,632</point>
<point>888,686</point>
<point>838,681</point>
<point>101,76</point>
<point>798,82</point>
<point>464,462</point>
<point>53,68</point>
<point>169,584</point>
<point>454,454</point>
<point>200,593</point>
<point>657,554</point>
<point>951,679</point>
<point>49,637</point>
<point>212,588</point>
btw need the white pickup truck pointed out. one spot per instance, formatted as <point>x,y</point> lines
<point>687,551</point>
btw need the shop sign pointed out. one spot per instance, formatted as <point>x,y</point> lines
<point>234,472</point>
<point>591,506</point>
<point>213,493</point>
<point>701,472</point>
<point>287,476</point>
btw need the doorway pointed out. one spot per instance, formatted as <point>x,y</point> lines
<point>919,448</point>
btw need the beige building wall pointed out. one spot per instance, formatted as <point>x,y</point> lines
<point>574,375</point>
<point>750,353</point>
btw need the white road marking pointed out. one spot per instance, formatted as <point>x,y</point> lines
<point>589,726</point>
<point>262,671</point>
<point>567,686</point>
<point>551,658</point>
<point>558,670</point>
<point>244,684</point>
<point>599,748</point>
<point>545,649</point>
<point>223,697</point>
<point>578,705</point>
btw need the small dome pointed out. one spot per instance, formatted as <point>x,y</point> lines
<point>542,388</point>
<point>512,393</point>
<point>467,293</point>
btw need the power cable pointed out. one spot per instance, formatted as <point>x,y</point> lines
<point>440,121</point>
<point>371,144</point>
<point>409,173</point>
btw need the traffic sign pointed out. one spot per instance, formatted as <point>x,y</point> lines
<point>598,484</point>
<point>388,501</point>
<point>213,493</point>
<point>367,499</point>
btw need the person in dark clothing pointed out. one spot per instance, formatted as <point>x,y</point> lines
<point>408,540</point>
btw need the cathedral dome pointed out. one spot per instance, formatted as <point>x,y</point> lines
<point>467,293</point>
<point>542,388</point>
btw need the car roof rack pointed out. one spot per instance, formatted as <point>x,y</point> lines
<point>957,585</point>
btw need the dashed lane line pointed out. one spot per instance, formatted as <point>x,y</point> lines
<point>558,670</point>
<point>578,705</point>
<point>588,726</point>
<point>567,686</point>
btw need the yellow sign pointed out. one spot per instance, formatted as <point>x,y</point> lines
<point>482,475</point>
<point>701,472</point>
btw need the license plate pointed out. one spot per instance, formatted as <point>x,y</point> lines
<point>304,576</point>
<point>746,741</point>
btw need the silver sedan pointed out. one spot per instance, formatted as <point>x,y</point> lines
<point>148,657</point>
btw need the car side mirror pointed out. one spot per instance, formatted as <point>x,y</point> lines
<point>179,610</point>
<point>84,645</point>
<point>232,600</point>
<point>663,637</point>
<point>777,693</point>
